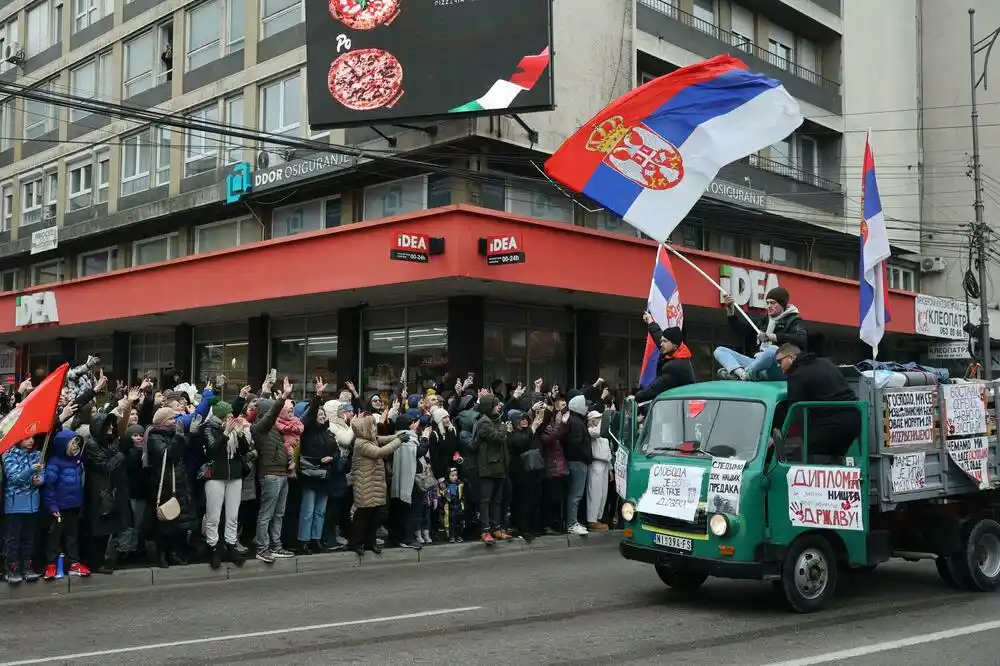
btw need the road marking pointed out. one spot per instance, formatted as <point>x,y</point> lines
<point>889,645</point>
<point>236,637</point>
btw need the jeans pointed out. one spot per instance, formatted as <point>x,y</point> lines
<point>218,494</point>
<point>577,487</point>
<point>273,495</point>
<point>66,530</point>
<point>763,366</point>
<point>491,503</point>
<point>312,514</point>
<point>20,539</point>
<point>597,490</point>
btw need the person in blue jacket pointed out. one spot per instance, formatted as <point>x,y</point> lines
<point>62,496</point>
<point>23,474</point>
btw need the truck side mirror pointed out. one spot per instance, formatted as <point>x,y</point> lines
<point>779,443</point>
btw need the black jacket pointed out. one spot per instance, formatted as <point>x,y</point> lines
<point>166,441</point>
<point>520,441</point>
<point>578,448</point>
<point>671,371</point>
<point>107,485</point>
<point>789,329</point>
<point>317,442</point>
<point>216,443</point>
<point>815,379</point>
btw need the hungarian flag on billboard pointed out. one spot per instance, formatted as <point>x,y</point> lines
<point>36,413</point>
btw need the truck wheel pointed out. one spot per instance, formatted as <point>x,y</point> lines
<point>809,574</point>
<point>687,582</point>
<point>981,556</point>
<point>944,570</point>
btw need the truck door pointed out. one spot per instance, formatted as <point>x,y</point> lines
<point>825,488</point>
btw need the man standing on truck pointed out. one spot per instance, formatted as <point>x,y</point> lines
<point>782,324</point>
<point>814,379</point>
<point>673,367</point>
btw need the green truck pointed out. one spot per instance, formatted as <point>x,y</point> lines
<point>719,481</point>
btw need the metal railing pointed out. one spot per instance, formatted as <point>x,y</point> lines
<point>742,43</point>
<point>782,169</point>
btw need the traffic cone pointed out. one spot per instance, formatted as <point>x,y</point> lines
<point>61,567</point>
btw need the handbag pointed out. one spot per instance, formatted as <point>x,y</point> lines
<point>532,460</point>
<point>310,470</point>
<point>171,509</point>
<point>425,479</point>
<point>108,502</point>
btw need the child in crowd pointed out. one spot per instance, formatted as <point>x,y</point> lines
<point>63,498</point>
<point>23,473</point>
<point>453,494</point>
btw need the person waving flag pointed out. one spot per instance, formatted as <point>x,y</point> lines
<point>651,154</point>
<point>36,414</point>
<point>874,251</point>
<point>664,305</point>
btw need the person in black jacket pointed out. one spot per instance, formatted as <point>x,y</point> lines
<point>673,367</point>
<point>527,483</point>
<point>782,325</point>
<point>318,451</point>
<point>226,440</point>
<point>814,379</point>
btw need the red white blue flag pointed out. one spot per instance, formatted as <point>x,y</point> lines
<point>665,305</point>
<point>875,250</point>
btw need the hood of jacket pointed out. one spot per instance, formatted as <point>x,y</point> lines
<point>99,425</point>
<point>60,444</point>
<point>486,406</point>
<point>578,405</point>
<point>264,405</point>
<point>364,427</point>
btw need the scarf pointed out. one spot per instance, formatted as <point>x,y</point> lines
<point>291,431</point>
<point>772,323</point>
<point>404,471</point>
<point>682,351</point>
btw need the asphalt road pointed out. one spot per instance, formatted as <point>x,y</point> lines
<point>577,606</point>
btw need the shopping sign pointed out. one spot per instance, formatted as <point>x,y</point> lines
<point>747,287</point>
<point>410,247</point>
<point>36,309</point>
<point>502,250</point>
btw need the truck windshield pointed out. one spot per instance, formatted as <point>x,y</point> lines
<point>722,428</point>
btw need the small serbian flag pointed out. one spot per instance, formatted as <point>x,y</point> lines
<point>874,301</point>
<point>665,305</point>
<point>651,154</point>
<point>36,414</point>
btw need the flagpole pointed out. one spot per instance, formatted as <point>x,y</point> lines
<point>714,283</point>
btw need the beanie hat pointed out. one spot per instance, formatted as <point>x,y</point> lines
<point>412,401</point>
<point>163,416</point>
<point>132,431</point>
<point>439,414</point>
<point>674,335</point>
<point>431,391</point>
<point>345,396</point>
<point>222,409</point>
<point>779,295</point>
<point>413,413</point>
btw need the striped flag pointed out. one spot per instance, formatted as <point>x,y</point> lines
<point>503,92</point>
<point>665,305</point>
<point>874,302</point>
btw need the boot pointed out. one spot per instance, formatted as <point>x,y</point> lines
<point>174,558</point>
<point>319,546</point>
<point>215,556</point>
<point>235,555</point>
<point>110,560</point>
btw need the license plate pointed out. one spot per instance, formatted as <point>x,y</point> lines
<point>668,541</point>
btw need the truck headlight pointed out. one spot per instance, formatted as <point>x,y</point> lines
<point>628,512</point>
<point>719,525</point>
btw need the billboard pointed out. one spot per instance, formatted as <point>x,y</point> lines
<point>384,61</point>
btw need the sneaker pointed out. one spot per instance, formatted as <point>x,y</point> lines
<point>427,537</point>
<point>50,572</point>
<point>265,555</point>
<point>598,527</point>
<point>741,374</point>
<point>342,541</point>
<point>14,576</point>
<point>76,570</point>
<point>722,373</point>
<point>280,553</point>
<point>451,539</point>
<point>30,575</point>
<point>412,545</point>
<point>578,530</point>
<point>240,549</point>
<point>418,537</point>
<point>488,539</point>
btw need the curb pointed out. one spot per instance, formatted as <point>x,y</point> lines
<point>195,573</point>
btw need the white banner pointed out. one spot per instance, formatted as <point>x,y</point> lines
<point>907,472</point>
<point>825,497</point>
<point>972,456</point>
<point>673,492</point>
<point>946,318</point>
<point>911,417</point>
<point>621,471</point>
<point>965,409</point>
<point>724,482</point>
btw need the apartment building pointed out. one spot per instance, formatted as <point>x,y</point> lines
<point>144,252</point>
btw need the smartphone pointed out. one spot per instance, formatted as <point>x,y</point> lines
<point>273,375</point>
<point>471,375</point>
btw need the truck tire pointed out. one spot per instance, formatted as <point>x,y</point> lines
<point>809,574</point>
<point>979,561</point>
<point>687,582</point>
<point>944,570</point>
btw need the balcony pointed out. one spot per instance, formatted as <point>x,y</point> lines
<point>665,21</point>
<point>784,181</point>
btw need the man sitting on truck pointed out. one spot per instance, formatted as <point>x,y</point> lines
<point>673,367</point>
<point>814,379</point>
<point>782,324</point>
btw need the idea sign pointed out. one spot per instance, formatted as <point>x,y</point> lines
<point>748,287</point>
<point>410,247</point>
<point>502,250</point>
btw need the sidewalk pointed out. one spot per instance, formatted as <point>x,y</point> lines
<point>253,568</point>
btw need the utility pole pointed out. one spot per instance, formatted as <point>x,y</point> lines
<point>981,232</point>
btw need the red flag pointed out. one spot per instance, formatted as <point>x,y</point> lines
<point>36,414</point>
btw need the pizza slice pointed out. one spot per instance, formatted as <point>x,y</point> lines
<point>366,79</point>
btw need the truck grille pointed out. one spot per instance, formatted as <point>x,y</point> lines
<point>699,526</point>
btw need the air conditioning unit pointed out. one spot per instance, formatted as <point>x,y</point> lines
<point>933,265</point>
<point>13,53</point>
<point>49,212</point>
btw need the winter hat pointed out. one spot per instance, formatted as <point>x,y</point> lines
<point>779,295</point>
<point>403,422</point>
<point>300,409</point>
<point>176,395</point>
<point>412,401</point>
<point>413,413</point>
<point>572,393</point>
<point>439,414</point>
<point>132,431</point>
<point>515,415</point>
<point>578,405</point>
<point>222,410</point>
<point>431,391</point>
<point>674,335</point>
<point>163,416</point>
<point>345,396</point>
<point>263,407</point>
<point>593,415</point>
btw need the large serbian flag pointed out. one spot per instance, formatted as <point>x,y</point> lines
<point>651,154</point>
<point>36,413</point>
<point>874,310</point>
<point>665,305</point>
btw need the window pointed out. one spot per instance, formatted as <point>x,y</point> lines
<point>201,153</point>
<point>234,120</point>
<point>32,199</point>
<point>297,219</point>
<point>47,273</point>
<point>224,235</point>
<point>91,80</point>
<point>742,28</point>
<point>152,250</point>
<point>9,34</point>
<point>704,17</point>
<point>278,15</point>
<point>808,61</point>
<point>147,61</point>
<point>88,12</point>
<point>214,30</point>
<point>8,207</point>
<point>544,205</point>
<point>781,153</point>
<point>51,195</point>
<point>7,133</point>
<point>39,117</point>
<point>779,46</point>
<point>902,278</point>
<point>97,262</point>
<point>136,158</point>
<point>80,178</point>
<point>281,110</point>
<point>103,174</point>
<point>395,198</point>
<point>786,255</point>
<point>163,135</point>
<point>807,155</point>
<point>646,77</point>
<point>44,22</point>
<point>8,280</point>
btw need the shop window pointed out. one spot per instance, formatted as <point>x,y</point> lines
<point>426,354</point>
<point>609,221</point>
<point>43,358</point>
<point>728,244</point>
<point>152,250</point>
<point>152,355</point>
<point>278,15</point>
<point>395,198</point>
<point>396,338</point>
<point>97,262</point>
<point>223,358</point>
<point>384,358</point>
<point>227,234</point>
<point>305,348</point>
<point>101,347</point>
<point>835,266</point>
<point>688,234</point>
<point>512,354</point>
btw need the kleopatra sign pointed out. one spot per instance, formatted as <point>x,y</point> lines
<point>748,287</point>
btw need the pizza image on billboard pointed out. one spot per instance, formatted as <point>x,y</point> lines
<point>364,14</point>
<point>366,79</point>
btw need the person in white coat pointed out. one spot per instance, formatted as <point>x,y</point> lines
<point>597,477</point>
